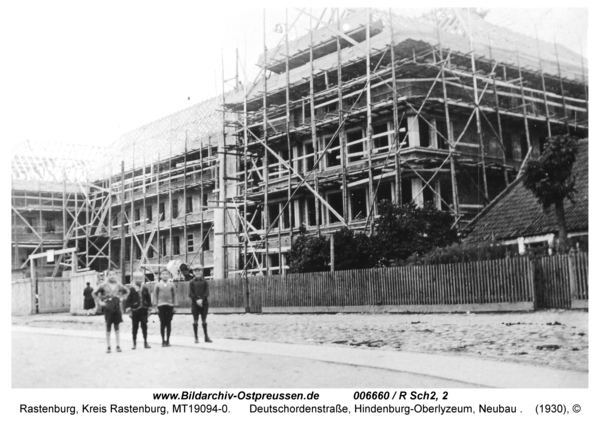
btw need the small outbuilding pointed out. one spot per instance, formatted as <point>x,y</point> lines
<point>516,217</point>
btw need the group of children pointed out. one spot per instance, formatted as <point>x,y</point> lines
<point>138,302</point>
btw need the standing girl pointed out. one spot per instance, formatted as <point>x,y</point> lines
<point>165,299</point>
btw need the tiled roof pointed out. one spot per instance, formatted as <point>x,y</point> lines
<point>164,137</point>
<point>517,213</point>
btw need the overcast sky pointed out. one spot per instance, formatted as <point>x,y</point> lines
<point>87,72</point>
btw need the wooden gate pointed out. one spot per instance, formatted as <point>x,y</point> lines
<point>579,274</point>
<point>21,297</point>
<point>561,281</point>
<point>54,294</point>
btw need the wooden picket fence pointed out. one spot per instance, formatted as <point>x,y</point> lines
<point>414,288</point>
<point>499,285</point>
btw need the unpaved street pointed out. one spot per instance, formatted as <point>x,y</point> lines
<point>81,362</point>
<point>557,339</point>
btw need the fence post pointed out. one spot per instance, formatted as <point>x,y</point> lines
<point>531,264</point>
<point>262,289</point>
<point>246,286</point>
<point>572,280</point>
<point>332,254</point>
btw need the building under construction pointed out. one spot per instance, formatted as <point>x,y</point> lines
<point>372,106</point>
<point>367,106</point>
<point>49,202</point>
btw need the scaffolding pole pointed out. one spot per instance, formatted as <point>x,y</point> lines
<point>110,222</point>
<point>371,194</point>
<point>144,210</point>
<point>122,220</point>
<point>64,217</point>
<point>202,204</point>
<point>397,166</point>
<point>562,89</point>
<point>185,209</point>
<point>477,111</point>
<point>170,204</point>
<point>237,73</point>
<point>342,131</point>
<point>160,250</point>
<point>313,126</point>
<point>499,120</point>
<point>543,87</point>
<point>87,226</point>
<point>449,133</point>
<point>523,106</point>
<point>132,219</point>
<point>16,233</point>
<point>245,206</point>
<point>287,124</point>
<point>266,153</point>
<point>223,191</point>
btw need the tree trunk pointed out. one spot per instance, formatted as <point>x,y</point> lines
<point>562,226</point>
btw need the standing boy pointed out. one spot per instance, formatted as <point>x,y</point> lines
<point>137,303</point>
<point>166,300</point>
<point>108,294</point>
<point>199,295</point>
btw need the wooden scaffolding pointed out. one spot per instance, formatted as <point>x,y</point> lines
<point>292,122</point>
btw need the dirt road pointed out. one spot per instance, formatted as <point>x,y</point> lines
<point>50,361</point>
<point>556,339</point>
